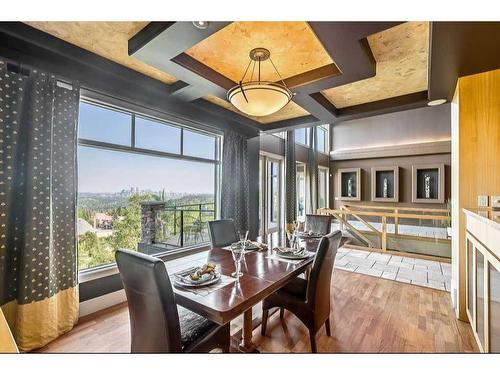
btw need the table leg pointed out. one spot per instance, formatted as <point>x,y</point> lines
<point>246,345</point>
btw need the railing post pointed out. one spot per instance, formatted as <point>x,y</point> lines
<point>384,233</point>
<point>181,231</point>
<point>396,221</point>
<point>175,221</point>
<point>341,222</point>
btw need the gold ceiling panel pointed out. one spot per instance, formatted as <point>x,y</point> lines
<point>294,48</point>
<point>291,110</point>
<point>106,39</point>
<point>402,56</point>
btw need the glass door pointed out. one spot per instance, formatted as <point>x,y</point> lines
<point>273,196</point>
<point>270,199</point>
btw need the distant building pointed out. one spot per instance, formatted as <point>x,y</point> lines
<point>103,221</point>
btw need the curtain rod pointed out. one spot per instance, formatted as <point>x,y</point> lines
<point>20,68</point>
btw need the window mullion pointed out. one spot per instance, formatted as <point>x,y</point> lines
<point>132,132</point>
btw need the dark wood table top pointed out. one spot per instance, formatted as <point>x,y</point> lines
<point>261,277</point>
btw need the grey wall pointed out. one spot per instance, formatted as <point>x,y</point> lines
<point>413,126</point>
<point>405,178</point>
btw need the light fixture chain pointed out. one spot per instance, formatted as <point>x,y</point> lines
<point>279,75</point>
<point>253,69</point>
<point>246,70</point>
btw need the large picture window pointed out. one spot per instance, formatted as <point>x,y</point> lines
<point>322,187</point>
<point>300,176</point>
<point>322,138</point>
<point>302,136</point>
<point>124,159</point>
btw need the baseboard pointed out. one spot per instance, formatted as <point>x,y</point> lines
<point>102,302</point>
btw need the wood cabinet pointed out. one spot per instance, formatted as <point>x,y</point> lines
<point>483,278</point>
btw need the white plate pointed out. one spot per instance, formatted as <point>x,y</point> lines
<point>302,255</point>
<point>186,284</point>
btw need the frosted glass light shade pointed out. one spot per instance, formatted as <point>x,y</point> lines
<point>264,98</point>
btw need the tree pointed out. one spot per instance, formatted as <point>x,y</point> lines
<point>85,214</point>
<point>92,251</point>
<point>127,226</point>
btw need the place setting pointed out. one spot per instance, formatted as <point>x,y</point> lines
<point>248,244</point>
<point>201,280</point>
<point>294,253</point>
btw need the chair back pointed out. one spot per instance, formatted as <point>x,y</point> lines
<point>318,224</point>
<point>319,282</point>
<point>222,232</point>
<point>154,320</point>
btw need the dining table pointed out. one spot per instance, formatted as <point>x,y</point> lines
<point>263,274</point>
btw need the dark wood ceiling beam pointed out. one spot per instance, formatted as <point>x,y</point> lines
<point>293,123</point>
<point>379,107</point>
<point>459,49</point>
<point>165,51</point>
<point>144,36</point>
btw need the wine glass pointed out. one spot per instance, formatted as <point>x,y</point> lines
<point>238,253</point>
<point>243,236</point>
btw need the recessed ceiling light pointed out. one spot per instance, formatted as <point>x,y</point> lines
<point>436,102</point>
<point>200,24</point>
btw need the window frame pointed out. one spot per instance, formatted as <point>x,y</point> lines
<point>303,165</point>
<point>326,170</point>
<point>326,133</point>
<point>308,141</point>
<point>111,268</point>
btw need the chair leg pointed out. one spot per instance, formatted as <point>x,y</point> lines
<point>312,337</point>
<point>282,312</point>
<point>263,325</point>
<point>327,327</point>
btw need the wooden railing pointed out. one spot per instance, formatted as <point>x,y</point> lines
<point>386,215</point>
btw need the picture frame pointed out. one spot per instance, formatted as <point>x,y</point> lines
<point>385,184</point>
<point>349,184</point>
<point>428,183</point>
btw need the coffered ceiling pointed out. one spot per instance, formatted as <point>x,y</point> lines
<point>335,69</point>
<point>106,39</point>
<point>402,60</point>
<point>293,45</point>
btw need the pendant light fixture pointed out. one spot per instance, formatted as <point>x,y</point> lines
<point>256,97</point>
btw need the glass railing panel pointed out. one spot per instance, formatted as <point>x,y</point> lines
<point>494,316</point>
<point>480,297</point>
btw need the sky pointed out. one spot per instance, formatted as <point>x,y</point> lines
<point>102,170</point>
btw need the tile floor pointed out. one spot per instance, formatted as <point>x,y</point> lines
<point>428,273</point>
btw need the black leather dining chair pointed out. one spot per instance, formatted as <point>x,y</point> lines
<point>320,224</point>
<point>222,232</point>
<point>157,323</point>
<point>309,299</point>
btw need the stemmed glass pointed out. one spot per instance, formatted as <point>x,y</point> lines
<point>238,254</point>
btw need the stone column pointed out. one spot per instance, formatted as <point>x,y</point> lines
<point>149,210</point>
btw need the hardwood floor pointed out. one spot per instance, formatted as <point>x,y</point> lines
<point>368,315</point>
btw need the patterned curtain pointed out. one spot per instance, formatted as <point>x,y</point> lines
<point>312,173</point>
<point>38,270</point>
<point>290,179</point>
<point>234,189</point>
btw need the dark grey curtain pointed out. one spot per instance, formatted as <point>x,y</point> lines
<point>38,260</point>
<point>312,172</point>
<point>234,189</point>
<point>290,179</point>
